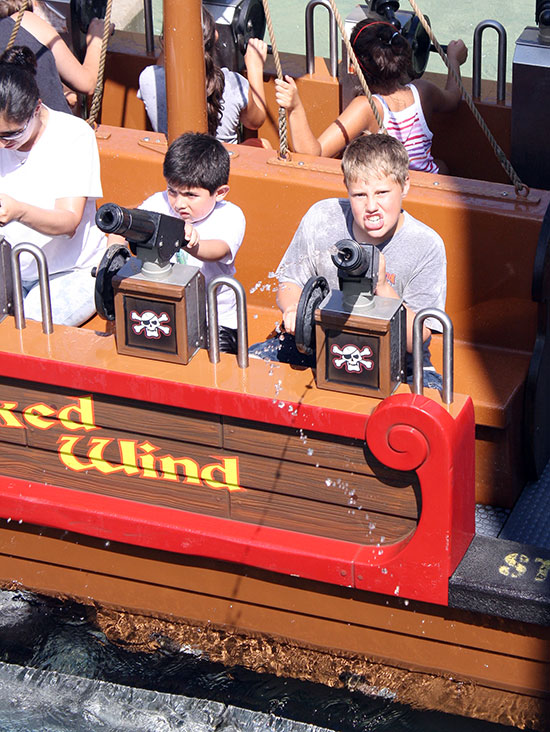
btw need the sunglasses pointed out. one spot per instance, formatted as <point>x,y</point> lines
<point>10,136</point>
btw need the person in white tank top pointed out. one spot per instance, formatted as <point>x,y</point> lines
<point>385,58</point>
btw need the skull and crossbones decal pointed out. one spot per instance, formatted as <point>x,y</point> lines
<point>352,358</point>
<point>150,324</point>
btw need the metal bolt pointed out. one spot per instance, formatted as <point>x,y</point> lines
<point>145,139</point>
<point>343,572</point>
<point>301,162</point>
<point>504,193</point>
<point>436,183</point>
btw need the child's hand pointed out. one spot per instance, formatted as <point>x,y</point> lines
<point>457,51</point>
<point>192,237</point>
<point>289,318</point>
<point>256,53</point>
<point>286,93</point>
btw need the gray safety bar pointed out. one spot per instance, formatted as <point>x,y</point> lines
<point>242,320</point>
<point>333,37</point>
<point>448,352</point>
<point>501,62</point>
<point>43,281</point>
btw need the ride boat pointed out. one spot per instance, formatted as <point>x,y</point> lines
<point>243,508</point>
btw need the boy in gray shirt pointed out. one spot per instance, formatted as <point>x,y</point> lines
<point>412,256</point>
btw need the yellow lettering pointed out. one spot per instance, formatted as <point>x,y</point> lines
<point>543,569</point>
<point>169,469</point>
<point>147,461</point>
<point>229,469</point>
<point>10,420</point>
<point>36,412</point>
<point>83,410</point>
<point>515,565</point>
<point>66,447</point>
<point>95,453</point>
<point>128,456</point>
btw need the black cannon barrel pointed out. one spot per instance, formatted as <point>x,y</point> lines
<point>353,259</point>
<point>135,225</point>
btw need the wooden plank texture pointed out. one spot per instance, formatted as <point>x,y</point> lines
<point>317,518</point>
<point>117,414</point>
<point>44,466</point>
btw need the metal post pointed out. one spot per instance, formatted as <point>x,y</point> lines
<point>333,37</point>
<point>184,64</point>
<point>242,320</point>
<point>501,62</point>
<point>44,284</point>
<point>149,33</point>
<point>448,352</point>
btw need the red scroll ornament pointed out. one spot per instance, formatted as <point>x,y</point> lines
<point>412,432</point>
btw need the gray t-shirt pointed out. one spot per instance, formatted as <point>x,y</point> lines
<point>416,265</point>
<point>152,91</point>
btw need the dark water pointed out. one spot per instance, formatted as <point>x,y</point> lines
<point>56,637</point>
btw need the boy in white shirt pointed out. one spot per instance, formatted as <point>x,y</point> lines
<point>196,169</point>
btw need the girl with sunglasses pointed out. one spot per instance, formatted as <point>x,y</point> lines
<point>49,180</point>
<point>405,108</point>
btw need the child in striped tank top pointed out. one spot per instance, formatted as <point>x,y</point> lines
<point>405,107</point>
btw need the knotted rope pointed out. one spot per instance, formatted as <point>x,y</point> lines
<point>98,91</point>
<point>17,24</point>
<point>520,187</point>
<point>283,139</point>
<point>356,65</point>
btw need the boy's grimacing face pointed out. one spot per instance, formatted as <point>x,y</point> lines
<point>376,207</point>
<point>194,204</point>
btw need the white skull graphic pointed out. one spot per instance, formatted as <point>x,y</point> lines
<point>352,358</point>
<point>150,323</point>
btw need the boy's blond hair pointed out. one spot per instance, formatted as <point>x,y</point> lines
<point>375,156</point>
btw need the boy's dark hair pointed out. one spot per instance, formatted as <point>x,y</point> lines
<point>384,55</point>
<point>196,160</point>
<point>375,156</point>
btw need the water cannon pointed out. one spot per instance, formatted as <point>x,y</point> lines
<point>358,337</point>
<point>158,306</point>
<point>153,237</point>
<point>387,9</point>
<point>542,13</point>
<point>358,266</point>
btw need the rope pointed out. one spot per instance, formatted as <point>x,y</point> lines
<point>17,24</point>
<point>283,138</point>
<point>98,91</point>
<point>520,187</point>
<point>356,65</point>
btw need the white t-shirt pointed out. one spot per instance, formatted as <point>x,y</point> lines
<point>226,222</point>
<point>64,162</point>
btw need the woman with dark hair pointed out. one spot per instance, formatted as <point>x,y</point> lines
<point>405,107</point>
<point>231,99</point>
<point>44,41</point>
<point>49,180</point>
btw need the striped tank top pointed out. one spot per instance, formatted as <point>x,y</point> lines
<point>409,126</point>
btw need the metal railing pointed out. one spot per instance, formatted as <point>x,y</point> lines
<point>447,393</point>
<point>333,37</point>
<point>242,320</point>
<point>501,61</point>
<point>44,283</point>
